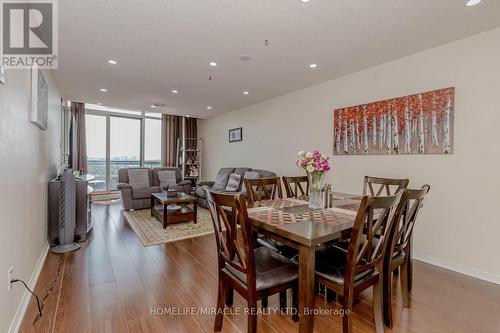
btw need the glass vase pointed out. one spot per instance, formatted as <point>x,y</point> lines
<point>315,186</point>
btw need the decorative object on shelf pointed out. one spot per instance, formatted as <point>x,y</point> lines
<point>39,96</point>
<point>189,158</point>
<point>316,165</point>
<point>416,124</point>
<point>236,134</point>
<point>3,74</point>
<point>193,171</point>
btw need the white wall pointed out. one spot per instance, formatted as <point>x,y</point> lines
<point>460,224</point>
<point>28,159</point>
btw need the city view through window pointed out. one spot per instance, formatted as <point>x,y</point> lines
<point>120,133</point>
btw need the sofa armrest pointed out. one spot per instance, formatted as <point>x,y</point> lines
<point>123,186</point>
<point>206,183</point>
<point>184,182</point>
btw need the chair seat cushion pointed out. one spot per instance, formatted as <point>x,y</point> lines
<point>144,193</point>
<point>271,269</point>
<point>330,265</point>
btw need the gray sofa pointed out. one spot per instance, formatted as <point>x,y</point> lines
<point>202,196</point>
<point>141,198</point>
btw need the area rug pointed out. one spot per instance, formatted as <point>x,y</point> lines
<point>150,231</point>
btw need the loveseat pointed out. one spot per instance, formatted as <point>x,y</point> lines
<point>202,196</point>
<point>140,198</point>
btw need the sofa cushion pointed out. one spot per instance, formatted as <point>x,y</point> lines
<point>144,193</point>
<point>138,178</point>
<point>225,171</point>
<point>123,174</point>
<point>265,173</point>
<point>156,180</point>
<point>221,182</point>
<point>233,184</point>
<point>249,175</point>
<point>200,192</point>
<point>241,171</point>
<point>167,178</point>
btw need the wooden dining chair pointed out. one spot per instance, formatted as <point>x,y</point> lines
<point>254,273</point>
<point>399,251</point>
<point>375,185</point>
<point>293,186</point>
<point>263,189</point>
<point>349,272</point>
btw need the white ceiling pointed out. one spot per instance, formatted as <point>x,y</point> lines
<point>162,45</point>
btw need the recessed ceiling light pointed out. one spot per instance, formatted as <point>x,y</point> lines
<point>313,65</point>
<point>471,3</point>
<point>244,57</point>
<point>246,92</point>
<point>112,62</point>
<point>187,116</point>
<point>175,91</point>
<point>305,1</point>
<point>213,64</point>
<point>104,90</point>
<point>209,107</point>
<point>153,106</point>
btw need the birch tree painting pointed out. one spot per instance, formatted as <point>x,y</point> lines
<point>414,124</point>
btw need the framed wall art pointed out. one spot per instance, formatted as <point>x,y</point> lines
<point>415,124</point>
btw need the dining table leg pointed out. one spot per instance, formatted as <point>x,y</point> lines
<point>306,288</point>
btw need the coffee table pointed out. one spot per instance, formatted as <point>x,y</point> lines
<point>160,202</point>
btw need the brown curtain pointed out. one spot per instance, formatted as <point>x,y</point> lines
<point>78,111</point>
<point>191,128</point>
<point>171,127</point>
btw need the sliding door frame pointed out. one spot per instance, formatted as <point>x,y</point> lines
<point>142,139</point>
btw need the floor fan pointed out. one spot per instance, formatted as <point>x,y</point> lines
<point>67,213</point>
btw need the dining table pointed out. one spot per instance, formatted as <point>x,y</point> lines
<point>292,222</point>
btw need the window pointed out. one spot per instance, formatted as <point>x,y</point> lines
<point>125,145</point>
<point>119,139</point>
<point>152,143</point>
<point>96,149</point>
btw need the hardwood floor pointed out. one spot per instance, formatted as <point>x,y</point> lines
<point>114,284</point>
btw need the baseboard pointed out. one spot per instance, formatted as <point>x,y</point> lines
<point>459,268</point>
<point>23,305</point>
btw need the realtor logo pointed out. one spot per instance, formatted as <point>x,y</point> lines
<point>29,34</point>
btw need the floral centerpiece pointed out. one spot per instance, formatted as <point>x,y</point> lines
<point>315,164</point>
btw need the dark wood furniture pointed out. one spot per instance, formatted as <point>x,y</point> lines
<point>297,190</point>
<point>399,252</point>
<point>390,185</point>
<point>291,222</point>
<point>350,272</point>
<point>160,202</point>
<point>263,189</point>
<point>255,273</point>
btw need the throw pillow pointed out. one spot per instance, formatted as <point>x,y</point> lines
<point>138,178</point>
<point>234,182</point>
<point>220,182</point>
<point>249,175</point>
<point>167,177</point>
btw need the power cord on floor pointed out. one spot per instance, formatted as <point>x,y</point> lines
<point>41,304</point>
<point>39,315</point>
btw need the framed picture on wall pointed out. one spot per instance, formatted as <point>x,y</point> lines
<point>2,74</point>
<point>236,134</point>
<point>39,99</point>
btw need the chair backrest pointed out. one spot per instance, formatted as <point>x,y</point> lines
<point>227,212</point>
<point>371,232</point>
<point>404,228</point>
<point>293,186</point>
<point>263,189</point>
<point>375,186</point>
